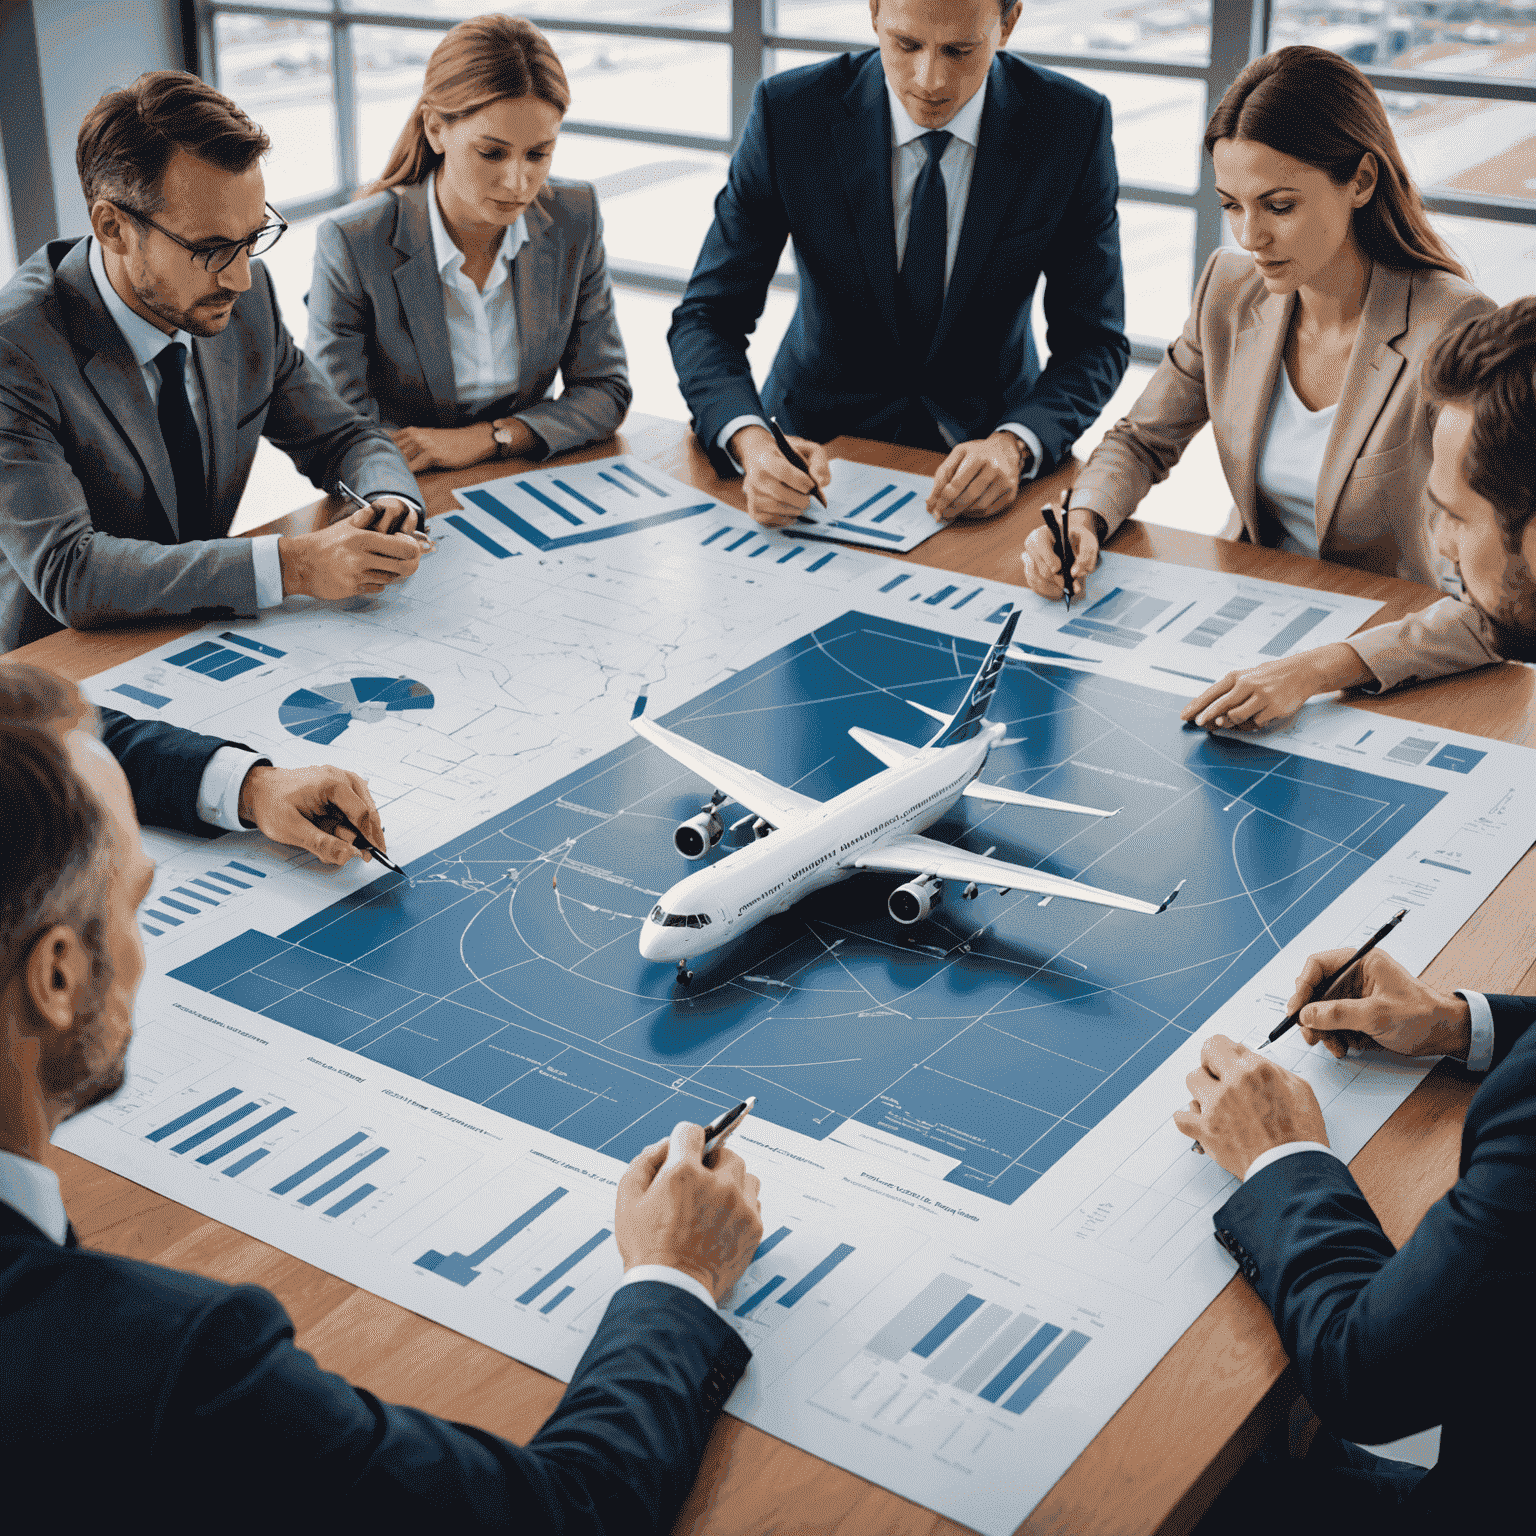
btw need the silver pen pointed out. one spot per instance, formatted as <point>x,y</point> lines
<point>722,1126</point>
<point>367,506</point>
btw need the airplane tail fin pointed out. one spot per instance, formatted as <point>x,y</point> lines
<point>969,718</point>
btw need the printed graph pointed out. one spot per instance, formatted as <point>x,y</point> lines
<point>321,714</point>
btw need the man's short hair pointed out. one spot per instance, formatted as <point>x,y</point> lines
<point>128,137</point>
<point>1488,366</point>
<point>54,842</point>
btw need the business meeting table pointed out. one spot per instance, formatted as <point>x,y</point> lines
<point>1163,1457</point>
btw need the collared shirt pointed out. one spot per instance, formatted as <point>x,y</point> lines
<point>32,1190</point>
<point>147,342</point>
<point>908,157</point>
<point>482,322</point>
<point>1479,1059</point>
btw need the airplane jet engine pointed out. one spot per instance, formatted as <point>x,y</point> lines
<point>912,902</point>
<point>693,839</point>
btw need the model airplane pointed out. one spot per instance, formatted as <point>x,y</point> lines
<point>803,844</point>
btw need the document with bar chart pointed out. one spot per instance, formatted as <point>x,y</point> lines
<point>883,508</point>
<point>981,1231</point>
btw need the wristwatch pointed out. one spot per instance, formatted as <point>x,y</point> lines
<point>501,431</point>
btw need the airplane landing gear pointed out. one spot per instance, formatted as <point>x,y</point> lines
<point>684,975</point>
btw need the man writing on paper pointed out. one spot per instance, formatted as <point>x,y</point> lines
<point>1482,506</point>
<point>1388,1342</point>
<point>927,186</point>
<point>131,1386</point>
<point>138,368</point>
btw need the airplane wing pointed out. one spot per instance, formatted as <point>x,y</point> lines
<point>914,855</point>
<point>891,752</point>
<point>995,792</point>
<point>773,802</point>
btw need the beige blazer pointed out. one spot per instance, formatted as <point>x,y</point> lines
<point>1224,369</point>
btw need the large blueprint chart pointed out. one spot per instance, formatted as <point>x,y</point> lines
<point>981,1230</point>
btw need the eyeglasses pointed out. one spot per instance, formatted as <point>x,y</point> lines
<point>215,258</point>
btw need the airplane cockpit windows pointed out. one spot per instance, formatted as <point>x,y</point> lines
<point>679,919</point>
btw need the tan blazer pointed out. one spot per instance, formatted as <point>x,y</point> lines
<point>1224,369</point>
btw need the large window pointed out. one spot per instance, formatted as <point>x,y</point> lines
<point>661,89</point>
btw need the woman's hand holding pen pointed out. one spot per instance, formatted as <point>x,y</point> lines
<point>287,803</point>
<point>1258,696</point>
<point>1042,570</point>
<point>1378,1003</point>
<point>777,492</point>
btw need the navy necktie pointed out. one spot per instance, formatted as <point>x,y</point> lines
<point>183,444</point>
<point>922,265</point>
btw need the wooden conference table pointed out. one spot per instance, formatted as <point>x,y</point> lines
<point>1162,1458</point>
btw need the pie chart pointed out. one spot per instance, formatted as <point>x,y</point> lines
<point>322,714</point>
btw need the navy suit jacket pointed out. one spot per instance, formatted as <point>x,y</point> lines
<point>1437,1332</point>
<point>164,767</point>
<point>815,163</point>
<point>130,1386</point>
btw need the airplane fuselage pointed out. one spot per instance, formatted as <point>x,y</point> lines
<point>768,877</point>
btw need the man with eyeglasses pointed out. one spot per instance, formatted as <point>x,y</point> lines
<point>138,369</point>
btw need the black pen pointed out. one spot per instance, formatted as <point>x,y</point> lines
<point>367,506</point>
<point>722,1126</point>
<point>333,812</point>
<point>795,460</point>
<point>1063,549</point>
<point>1328,982</point>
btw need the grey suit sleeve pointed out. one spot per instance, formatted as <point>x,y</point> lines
<point>84,578</point>
<point>593,366</point>
<point>340,320</point>
<point>320,432</point>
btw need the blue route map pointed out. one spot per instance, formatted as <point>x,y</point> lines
<point>505,969</point>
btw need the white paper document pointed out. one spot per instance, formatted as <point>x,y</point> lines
<point>882,508</point>
<point>981,1230</point>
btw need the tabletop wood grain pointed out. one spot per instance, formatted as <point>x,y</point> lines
<point>1157,1464</point>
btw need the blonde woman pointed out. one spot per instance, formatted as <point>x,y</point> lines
<point>447,297</point>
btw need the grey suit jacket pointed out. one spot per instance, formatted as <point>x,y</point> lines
<point>88,522</point>
<point>377,327</point>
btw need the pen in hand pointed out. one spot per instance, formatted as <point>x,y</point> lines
<point>795,461</point>
<point>336,817</point>
<point>367,506</point>
<point>1328,982</point>
<point>1058,529</point>
<point>722,1126</point>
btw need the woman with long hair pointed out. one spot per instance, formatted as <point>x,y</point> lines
<point>448,295</point>
<point>1304,349</point>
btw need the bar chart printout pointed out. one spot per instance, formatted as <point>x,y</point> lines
<point>204,1126</point>
<point>755,1291</point>
<point>948,1335</point>
<point>461,1268</point>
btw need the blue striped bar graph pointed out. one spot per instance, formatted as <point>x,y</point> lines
<point>559,1296</point>
<point>236,1142</point>
<point>357,1196</point>
<point>885,490</point>
<point>1001,614</point>
<point>316,1195</point>
<point>180,906</point>
<point>769,1243</point>
<point>1044,1335</point>
<point>888,534</point>
<point>946,1325</point>
<point>624,469</point>
<point>461,1267</point>
<point>603,474</point>
<point>218,890</point>
<point>895,506</point>
<point>324,1160</point>
<point>825,559</point>
<point>575,495</point>
<point>756,552</point>
<point>1050,1368</point>
<point>784,559</point>
<point>746,1307</point>
<point>154,933</point>
<point>227,885</point>
<point>939,596</point>
<point>248,1161</point>
<point>258,646</point>
<point>245,869</point>
<point>816,1276</point>
<point>564,1267</point>
<point>554,506</point>
<point>896,581</point>
<point>719,533</point>
<point>142,695</point>
<point>181,890</point>
<point>746,538</point>
<point>199,1137</point>
<point>484,540</point>
<point>163,917</point>
<point>182,1121</point>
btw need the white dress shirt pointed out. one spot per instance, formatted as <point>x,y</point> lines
<point>1295,444</point>
<point>1479,1059</point>
<point>482,322</point>
<point>32,1190</point>
<point>146,342</point>
<point>908,157</point>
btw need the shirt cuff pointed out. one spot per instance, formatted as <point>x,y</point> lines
<point>1480,1057</point>
<point>218,795</point>
<point>730,429</point>
<point>1031,442</point>
<point>1264,1159</point>
<point>669,1276</point>
<point>269,571</point>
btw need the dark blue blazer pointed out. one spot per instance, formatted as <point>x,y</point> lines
<point>1437,1332</point>
<point>815,163</point>
<point>127,1386</point>
<point>164,766</point>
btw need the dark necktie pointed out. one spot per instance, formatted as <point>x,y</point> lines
<point>183,444</point>
<point>922,265</point>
